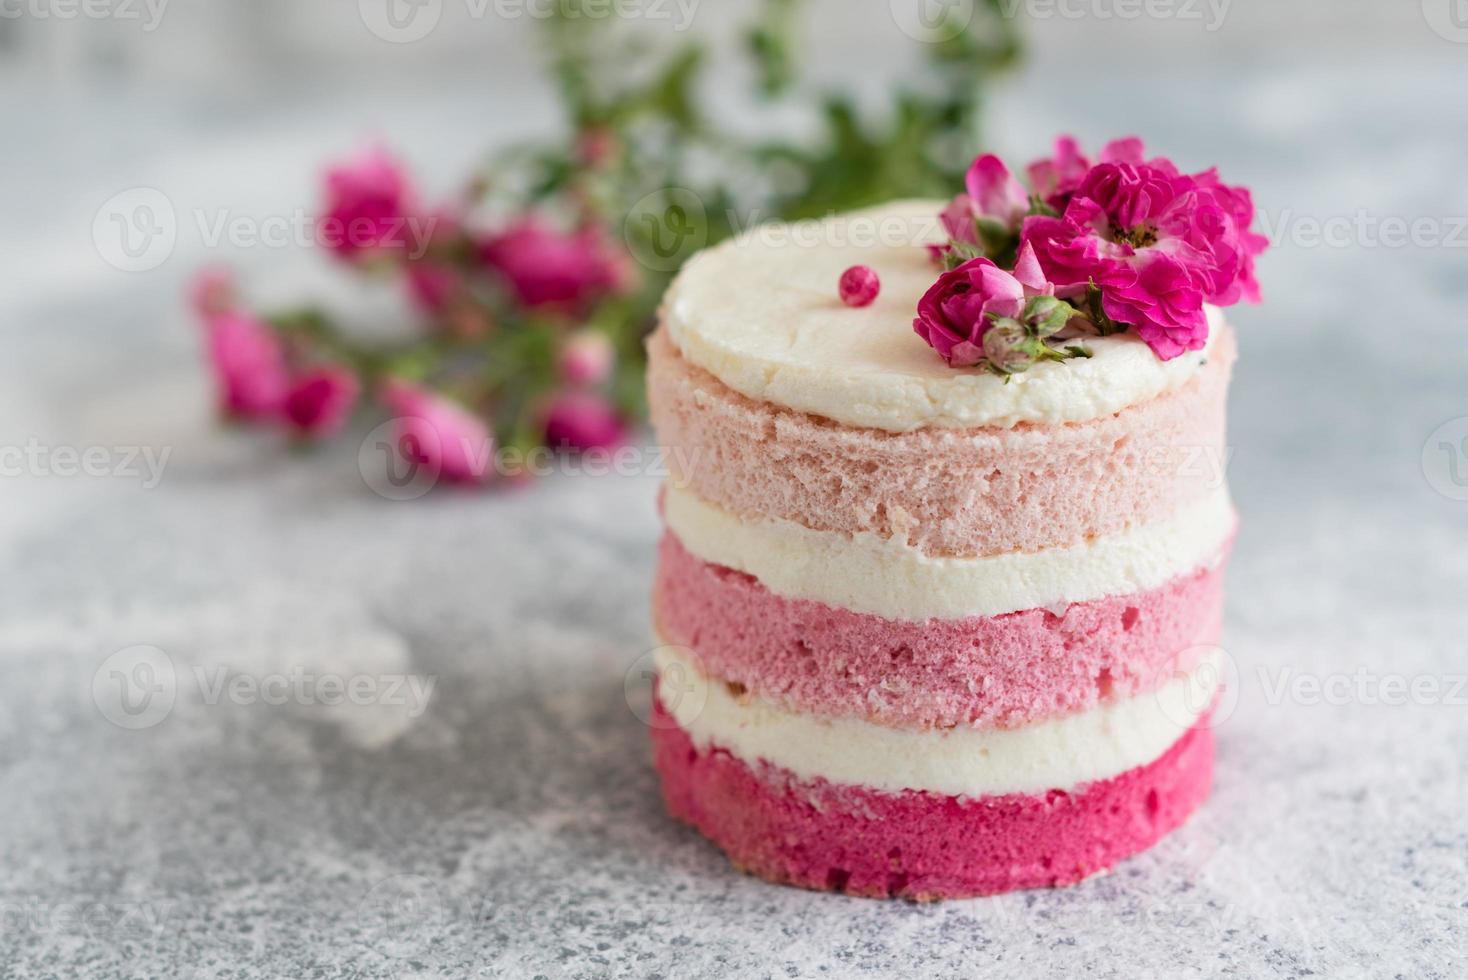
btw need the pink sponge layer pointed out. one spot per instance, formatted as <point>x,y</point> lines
<point>920,845</point>
<point>1005,670</point>
<point>943,491</point>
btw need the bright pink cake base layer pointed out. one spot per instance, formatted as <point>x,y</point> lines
<point>983,671</point>
<point>923,846</point>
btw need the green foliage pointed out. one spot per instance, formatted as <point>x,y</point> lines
<point>644,159</point>
<point>920,145</point>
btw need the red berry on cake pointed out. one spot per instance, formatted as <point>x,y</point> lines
<point>860,286</point>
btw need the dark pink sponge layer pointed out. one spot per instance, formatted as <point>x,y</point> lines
<point>985,671</point>
<point>920,845</point>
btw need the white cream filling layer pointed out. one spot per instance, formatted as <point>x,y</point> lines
<point>870,574</point>
<point>1061,753</point>
<point>761,312</point>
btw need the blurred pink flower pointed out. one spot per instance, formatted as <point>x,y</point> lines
<point>433,287</point>
<point>320,401</point>
<point>580,420</point>
<point>586,358</point>
<point>435,273</point>
<point>369,204</point>
<point>440,434</point>
<point>597,146</point>
<point>547,267</point>
<point>248,363</point>
<point>212,291</point>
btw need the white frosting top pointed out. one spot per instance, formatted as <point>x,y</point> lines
<point>1058,753</point>
<point>887,578</point>
<point>762,313</point>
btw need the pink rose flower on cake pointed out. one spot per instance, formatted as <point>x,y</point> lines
<point>991,208</point>
<point>1055,178</point>
<point>1134,242</point>
<point>977,313</point>
<point>956,312</point>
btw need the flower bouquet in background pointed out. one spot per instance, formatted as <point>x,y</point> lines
<point>538,282</point>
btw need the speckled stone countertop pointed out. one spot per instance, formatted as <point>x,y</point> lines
<point>506,822</point>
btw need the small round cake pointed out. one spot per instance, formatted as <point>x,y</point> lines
<point>927,631</point>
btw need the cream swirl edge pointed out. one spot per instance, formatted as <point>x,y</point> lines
<point>1056,754</point>
<point>869,574</point>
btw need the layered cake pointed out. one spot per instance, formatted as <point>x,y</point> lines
<point>928,629</point>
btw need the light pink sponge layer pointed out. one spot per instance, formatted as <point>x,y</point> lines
<point>921,845</point>
<point>944,491</point>
<point>1005,670</point>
